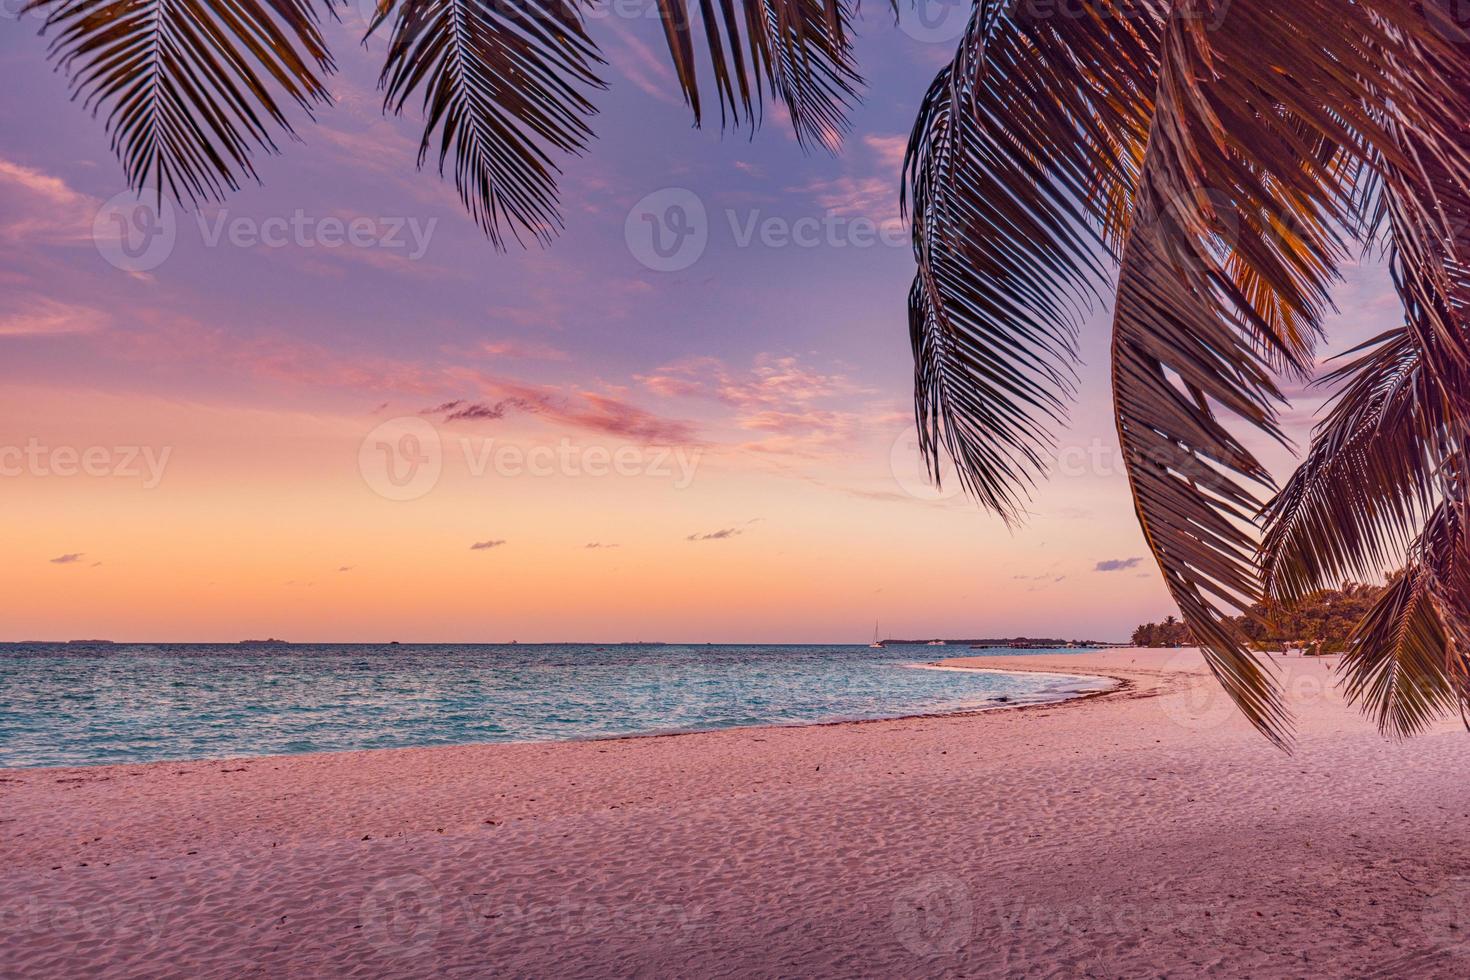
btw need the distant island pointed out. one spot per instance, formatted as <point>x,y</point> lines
<point>1011,643</point>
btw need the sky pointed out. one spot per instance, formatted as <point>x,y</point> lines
<point>329,410</point>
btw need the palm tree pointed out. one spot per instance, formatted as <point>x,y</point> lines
<point>1208,162</point>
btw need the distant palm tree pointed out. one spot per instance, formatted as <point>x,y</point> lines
<point>1208,161</point>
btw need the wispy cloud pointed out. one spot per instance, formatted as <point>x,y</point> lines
<point>1116,564</point>
<point>460,410</point>
<point>720,535</point>
<point>594,411</point>
<point>68,559</point>
<point>599,544</point>
<point>530,350</point>
<point>487,545</point>
<point>44,317</point>
<point>41,209</point>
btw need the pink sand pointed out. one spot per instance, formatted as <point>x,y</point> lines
<point>1146,831</point>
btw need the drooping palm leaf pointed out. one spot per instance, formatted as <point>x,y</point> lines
<point>190,88</point>
<point>1406,661</point>
<point>502,85</point>
<point>1019,179</point>
<point>1355,503</point>
<point>1226,275</point>
<point>1370,478</point>
<point>800,50</point>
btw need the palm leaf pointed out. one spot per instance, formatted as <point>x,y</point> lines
<point>1225,276</point>
<point>798,49</point>
<point>1354,504</point>
<point>502,85</point>
<point>190,88</point>
<point>1405,663</point>
<point>1018,180</point>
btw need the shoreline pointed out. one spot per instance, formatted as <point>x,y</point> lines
<point>1120,684</point>
<point>1145,830</point>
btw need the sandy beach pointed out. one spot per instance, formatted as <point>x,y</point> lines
<point>1143,832</point>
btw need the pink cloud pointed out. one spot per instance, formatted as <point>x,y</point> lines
<point>522,350</point>
<point>889,150</point>
<point>593,411</point>
<point>40,208</point>
<point>43,317</point>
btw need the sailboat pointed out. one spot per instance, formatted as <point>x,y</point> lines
<point>877,644</point>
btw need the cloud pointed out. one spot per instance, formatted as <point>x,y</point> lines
<point>69,559</point>
<point>40,208</point>
<point>50,318</point>
<point>345,568</point>
<point>1116,564</point>
<point>487,545</point>
<point>599,544</point>
<point>595,412</point>
<point>777,397</point>
<point>460,410</point>
<point>523,349</point>
<point>889,150</point>
<point>720,535</point>
<point>773,382</point>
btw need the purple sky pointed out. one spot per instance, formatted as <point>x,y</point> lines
<point>263,369</point>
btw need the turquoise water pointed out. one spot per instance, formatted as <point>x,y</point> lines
<point>64,705</point>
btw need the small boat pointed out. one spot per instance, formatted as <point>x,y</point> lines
<point>877,644</point>
<point>936,643</point>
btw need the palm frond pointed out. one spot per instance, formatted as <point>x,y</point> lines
<point>800,50</point>
<point>1406,661</point>
<point>190,89</point>
<point>1019,177</point>
<point>1355,503</point>
<point>1225,277</point>
<point>502,86</point>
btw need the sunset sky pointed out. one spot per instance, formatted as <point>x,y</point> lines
<point>200,449</point>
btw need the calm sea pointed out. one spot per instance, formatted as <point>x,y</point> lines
<point>63,705</point>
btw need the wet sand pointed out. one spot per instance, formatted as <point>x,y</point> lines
<point>1146,831</point>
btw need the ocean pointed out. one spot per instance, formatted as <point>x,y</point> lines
<point>75,705</point>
